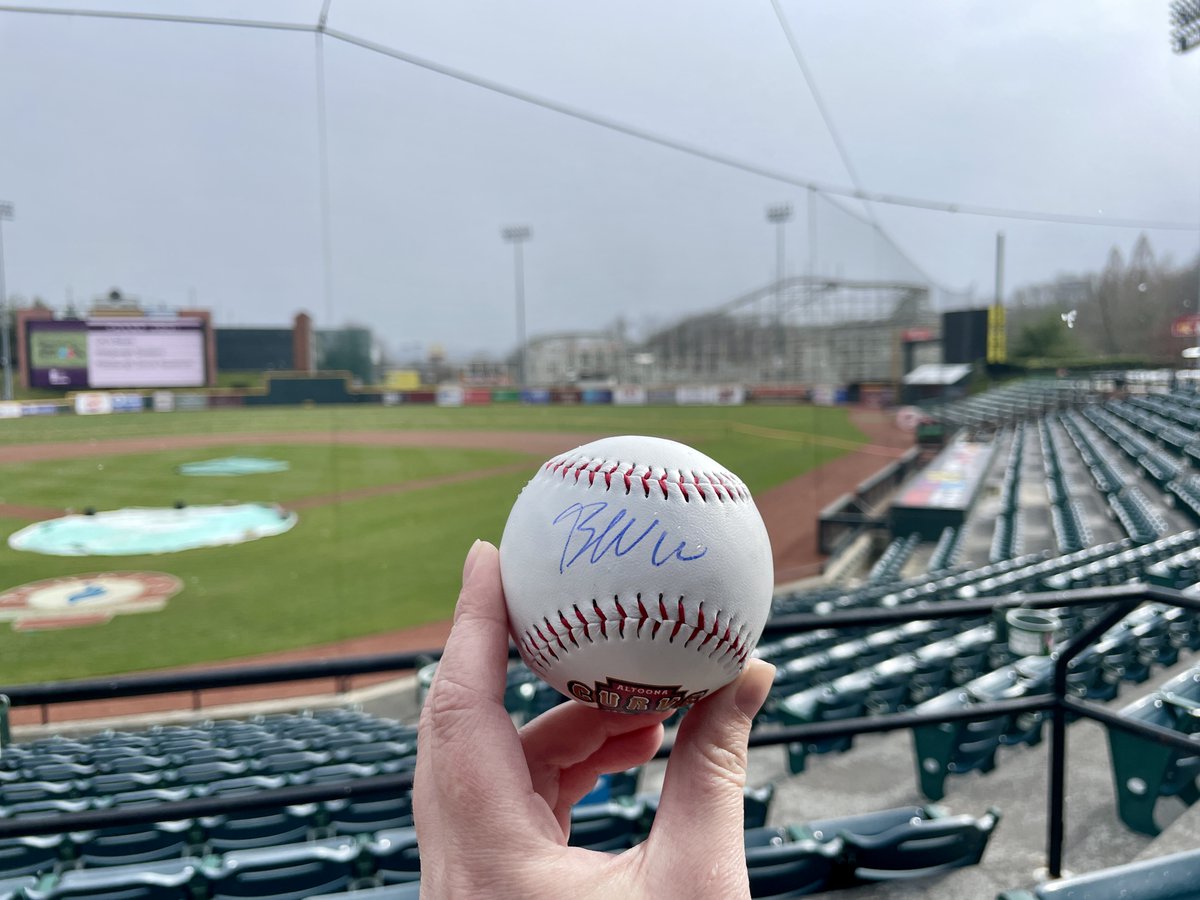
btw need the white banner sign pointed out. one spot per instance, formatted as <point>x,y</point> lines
<point>450,395</point>
<point>10,409</point>
<point>710,395</point>
<point>629,395</point>
<point>93,403</point>
<point>164,401</point>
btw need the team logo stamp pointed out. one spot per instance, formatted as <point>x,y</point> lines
<point>78,600</point>
<point>631,697</point>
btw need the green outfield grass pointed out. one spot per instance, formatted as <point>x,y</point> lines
<point>349,569</point>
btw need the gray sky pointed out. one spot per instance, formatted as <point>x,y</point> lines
<point>168,159</point>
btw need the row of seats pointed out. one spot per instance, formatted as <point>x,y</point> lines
<point>947,549</point>
<point>1071,532</point>
<point>893,559</point>
<point>895,684</point>
<point>1129,651</point>
<point>283,872</point>
<point>1010,483</point>
<point>332,731</point>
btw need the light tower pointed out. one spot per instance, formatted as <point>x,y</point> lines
<point>779,214</point>
<point>517,235</point>
<point>6,213</point>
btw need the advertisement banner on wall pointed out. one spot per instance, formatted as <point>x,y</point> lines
<point>710,395</point>
<point>93,403</point>
<point>127,402</point>
<point>660,396</point>
<point>824,395</point>
<point>629,395</point>
<point>477,396</point>
<point>535,396</point>
<point>164,401</point>
<point>191,402</point>
<point>391,398</point>
<point>10,409</point>
<point>450,395</point>
<point>49,408</point>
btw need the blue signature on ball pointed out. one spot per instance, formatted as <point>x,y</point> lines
<point>597,534</point>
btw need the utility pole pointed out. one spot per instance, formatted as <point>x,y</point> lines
<point>6,213</point>
<point>518,235</point>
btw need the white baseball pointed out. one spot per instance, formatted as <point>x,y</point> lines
<point>638,574</point>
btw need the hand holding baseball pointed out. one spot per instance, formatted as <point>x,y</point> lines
<point>493,805</point>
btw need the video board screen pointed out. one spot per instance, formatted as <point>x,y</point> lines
<point>117,353</point>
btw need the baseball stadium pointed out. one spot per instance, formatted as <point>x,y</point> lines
<point>237,492</point>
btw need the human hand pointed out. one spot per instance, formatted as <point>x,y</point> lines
<point>493,805</point>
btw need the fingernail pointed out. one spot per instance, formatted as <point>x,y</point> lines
<point>753,687</point>
<point>472,559</point>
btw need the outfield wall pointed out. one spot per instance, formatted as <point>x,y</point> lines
<point>303,389</point>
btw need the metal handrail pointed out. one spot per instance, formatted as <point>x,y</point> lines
<point>1122,600</point>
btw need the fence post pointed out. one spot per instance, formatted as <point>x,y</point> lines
<point>5,732</point>
<point>1056,801</point>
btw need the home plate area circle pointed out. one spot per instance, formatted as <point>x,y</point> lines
<point>77,600</point>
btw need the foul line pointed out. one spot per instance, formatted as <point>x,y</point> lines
<point>804,437</point>
<point>403,487</point>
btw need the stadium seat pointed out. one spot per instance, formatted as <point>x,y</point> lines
<point>34,791</point>
<point>844,699</point>
<point>133,845</point>
<point>14,888</point>
<point>781,867</point>
<point>1144,770</point>
<point>33,855</point>
<point>410,890</point>
<point>394,856</point>
<point>173,880</point>
<point>286,872</point>
<point>607,826</point>
<point>369,813</point>
<point>954,747</point>
<point>1173,877</point>
<point>254,829</point>
<point>908,842</point>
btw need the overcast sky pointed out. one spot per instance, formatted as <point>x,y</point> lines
<point>180,161</point>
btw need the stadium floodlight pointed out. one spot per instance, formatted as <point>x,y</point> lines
<point>779,214</point>
<point>6,213</point>
<point>1185,25</point>
<point>518,235</point>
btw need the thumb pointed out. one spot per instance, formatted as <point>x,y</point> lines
<point>701,806</point>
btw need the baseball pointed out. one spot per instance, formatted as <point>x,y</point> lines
<point>637,572</point>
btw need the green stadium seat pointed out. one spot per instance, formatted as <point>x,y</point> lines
<point>369,813</point>
<point>14,888</point>
<point>133,845</point>
<point>783,868</point>
<point>394,856</point>
<point>173,880</point>
<point>1144,770</point>
<point>206,772</point>
<point>954,747</point>
<point>607,826</point>
<point>33,791</point>
<point>1173,877</point>
<point>287,872</point>
<point>33,855</point>
<point>255,829</point>
<point>908,842</point>
<point>410,890</point>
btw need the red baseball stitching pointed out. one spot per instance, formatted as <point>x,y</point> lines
<point>539,649</point>
<point>719,485</point>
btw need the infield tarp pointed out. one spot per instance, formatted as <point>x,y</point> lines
<point>139,530</point>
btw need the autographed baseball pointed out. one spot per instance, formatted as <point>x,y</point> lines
<point>637,572</point>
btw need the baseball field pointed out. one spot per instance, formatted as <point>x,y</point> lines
<point>389,500</point>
